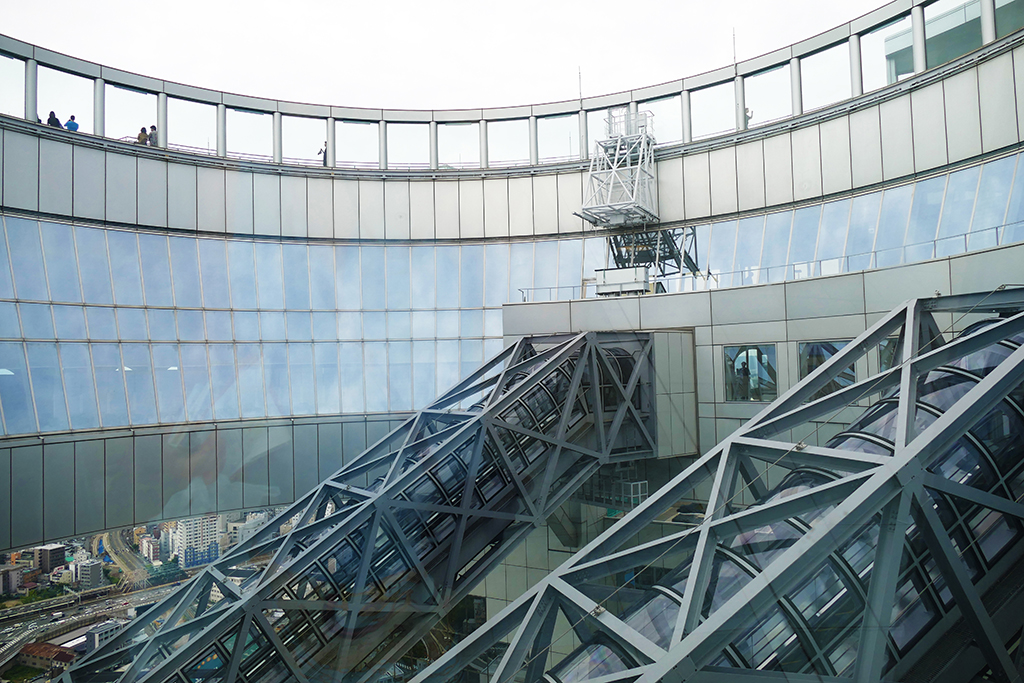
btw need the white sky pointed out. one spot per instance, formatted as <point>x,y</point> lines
<point>443,54</point>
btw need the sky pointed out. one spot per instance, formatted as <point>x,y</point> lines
<point>445,54</point>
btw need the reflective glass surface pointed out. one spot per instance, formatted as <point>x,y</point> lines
<point>750,373</point>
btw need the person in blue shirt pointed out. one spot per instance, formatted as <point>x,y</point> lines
<point>71,124</point>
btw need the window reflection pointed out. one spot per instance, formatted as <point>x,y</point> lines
<point>887,54</point>
<point>951,28</point>
<point>1009,16</point>
<point>813,355</point>
<point>750,373</point>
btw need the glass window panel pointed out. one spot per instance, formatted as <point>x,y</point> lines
<point>69,95</point>
<point>250,379</point>
<point>325,325</point>
<point>712,110</point>
<point>352,378</point>
<point>750,373</point>
<point>300,370</point>
<point>408,145</point>
<point>545,270</point>
<point>10,327</point>
<point>472,356</point>
<point>804,239</point>
<point>214,268</point>
<point>250,134</point>
<point>247,326</point>
<point>321,277</point>
<point>835,218</point>
<point>597,128</point>
<point>472,281</point>
<point>350,325</point>
<point>275,379</point>
<point>157,270</point>
<point>399,325</point>
<point>993,195</point>
<point>78,386</point>
<point>218,325</point>
<point>892,225</point>
<point>6,283</point>
<point>570,265</point>
<point>720,254</point>
<point>124,254</point>
<point>298,326</point>
<point>185,265</point>
<point>358,143</point>
<point>375,325</point>
<point>423,366</point>
<point>376,376</point>
<point>472,324</point>
<point>302,138</point>
<point>69,322</point>
<point>373,277</point>
<point>328,388</point>
<point>223,382</point>
<point>243,274</point>
<point>924,217</point>
<point>397,277</point>
<point>61,263</point>
<point>825,77</point>
<point>814,354</point>
<point>102,324</point>
<point>138,377</point>
<point>448,277</point>
<point>296,277</point>
<point>595,257</point>
<point>161,325</point>
<point>768,95</point>
<point>749,235</point>
<point>776,244</point>
<point>191,125</point>
<point>92,248</point>
<point>124,109</point>
<point>861,238</point>
<point>961,191</point>
<point>347,279</point>
<point>668,118</point>
<point>496,275</point>
<point>272,326</point>
<point>15,395</point>
<point>422,277</point>
<point>447,323</point>
<point>195,372</point>
<point>400,375</point>
<point>47,387</point>
<point>190,326</point>
<point>492,323</point>
<point>520,270</point>
<point>447,365</point>
<point>29,274</point>
<point>508,142</point>
<point>558,137</point>
<point>1009,16</point>
<point>423,324</point>
<point>113,405</point>
<point>12,95</point>
<point>951,28</point>
<point>131,324</point>
<point>36,322</point>
<point>169,393</point>
<point>1014,222</point>
<point>268,275</point>
<point>887,54</point>
<point>458,145</point>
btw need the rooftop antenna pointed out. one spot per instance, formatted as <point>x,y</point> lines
<point>734,45</point>
<point>579,74</point>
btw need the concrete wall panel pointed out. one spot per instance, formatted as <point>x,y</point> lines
<point>471,208</point>
<point>722,164</point>
<point>238,202</point>
<point>570,201</point>
<point>998,104</point>
<point>421,210</point>
<point>866,147</point>
<point>778,169</point>
<point>545,204</point>
<point>963,115</point>
<point>152,190</point>
<point>670,189</point>
<point>396,209</point>
<point>446,210</point>
<point>836,170</point>
<point>750,175</point>
<point>55,177</point>
<point>319,207</point>
<point>371,209</point>
<point>210,199</point>
<point>181,194</point>
<point>520,206</point>
<point>21,171</point>
<point>122,188</point>
<point>696,185</point>
<point>293,206</point>
<point>496,213</point>
<point>806,163</point>
<point>266,193</point>
<point>346,208</point>
<point>897,138</point>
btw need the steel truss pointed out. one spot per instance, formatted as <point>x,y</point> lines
<point>620,185</point>
<point>380,551</point>
<point>896,493</point>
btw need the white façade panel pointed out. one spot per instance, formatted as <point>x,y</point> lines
<point>670,189</point>
<point>696,185</point>
<point>181,194</point>
<point>929,126</point>
<point>806,163</point>
<point>722,163</point>
<point>21,171</point>
<point>210,199</point>
<point>998,104</point>
<point>421,210</point>
<point>446,209</point>
<point>122,188</point>
<point>346,208</point>
<point>471,208</point>
<point>371,209</point>
<point>238,198</point>
<point>55,159</point>
<point>520,206</point>
<point>266,204</point>
<point>570,201</point>
<point>963,115</point>
<point>545,205</point>
<point>750,175</point>
<point>319,207</point>
<point>836,175</point>
<point>496,207</point>
<point>778,170</point>
<point>897,138</point>
<point>293,206</point>
<point>396,209</point>
<point>865,147</point>
<point>1018,78</point>
<point>153,192</point>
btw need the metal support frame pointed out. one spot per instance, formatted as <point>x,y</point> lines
<point>883,489</point>
<point>621,184</point>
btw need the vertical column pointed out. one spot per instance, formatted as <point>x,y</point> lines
<point>484,162</point>
<point>584,136</point>
<point>433,145</point>
<point>988,21</point>
<point>633,107</point>
<point>278,144</point>
<point>917,26</point>
<point>382,145</point>
<point>222,130</point>
<point>534,153</point>
<point>99,107</point>
<point>31,90</point>
<point>161,120</point>
<point>856,67</point>
<point>741,104</point>
<point>796,86</point>
<point>332,148</point>
<point>684,99</point>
